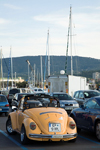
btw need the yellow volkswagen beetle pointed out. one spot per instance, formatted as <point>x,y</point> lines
<point>40,120</point>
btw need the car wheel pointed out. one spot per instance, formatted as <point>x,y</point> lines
<point>23,136</point>
<point>9,127</point>
<point>73,140</point>
<point>97,130</point>
<point>78,130</point>
<point>6,114</point>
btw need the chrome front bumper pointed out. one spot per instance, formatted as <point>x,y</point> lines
<point>57,136</point>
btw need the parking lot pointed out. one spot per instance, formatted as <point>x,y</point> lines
<point>85,140</point>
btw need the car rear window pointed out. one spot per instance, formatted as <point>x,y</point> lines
<point>63,96</point>
<point>14,91</point>
<point>2,99</point>
<point>21,95</point>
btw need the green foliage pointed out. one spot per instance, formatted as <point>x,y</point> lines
<point>21,84</point>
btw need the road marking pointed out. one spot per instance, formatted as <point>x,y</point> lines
<point>18,144</point>
<point>89,139</point>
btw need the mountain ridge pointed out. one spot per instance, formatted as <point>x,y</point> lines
<point>57,63</point>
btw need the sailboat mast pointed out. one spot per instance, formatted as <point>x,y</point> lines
<point>11,67</point>
<point>71,39</point>
<point>48,56</point>
<point>1,69</point>
<point>41,74</point>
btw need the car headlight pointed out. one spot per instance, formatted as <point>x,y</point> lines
<point>76,105</point>
<point>32,126</point>
<point>72,125</point>
<point>62,105</point>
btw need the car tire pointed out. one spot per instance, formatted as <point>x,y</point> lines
<point>9,127</point>
<point>73,140</point>
<point>78,130</point>
<point>23,136</point>
<point>97,130</point>
<point>6,114</point>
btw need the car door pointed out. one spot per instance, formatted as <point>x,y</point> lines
<point>76,96</point>
<point>20,115</point>
<point>81,98</point>
<point>90,114</point>
<point>87,114</point>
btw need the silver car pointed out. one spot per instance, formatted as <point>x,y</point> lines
<point>65,100</point>
<point>82,95</point>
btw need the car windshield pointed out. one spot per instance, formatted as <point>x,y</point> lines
<point>2,99</point>
<point>14,91</point>
<point>89,94</point>
<point>63,96</point>
<point>21,95</point>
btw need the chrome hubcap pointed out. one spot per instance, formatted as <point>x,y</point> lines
<point>22,136</point>
<point>9,127</point>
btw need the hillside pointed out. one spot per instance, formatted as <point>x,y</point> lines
<point>57,63</point>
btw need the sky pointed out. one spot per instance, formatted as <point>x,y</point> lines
<point>24,25</point>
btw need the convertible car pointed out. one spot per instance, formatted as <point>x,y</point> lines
<point>36,120</point>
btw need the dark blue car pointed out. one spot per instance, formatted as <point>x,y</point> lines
<point>88,116</point>
<point>4,105</point>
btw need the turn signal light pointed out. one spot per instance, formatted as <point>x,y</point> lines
<point>32,126</point>
<point>72,125</point>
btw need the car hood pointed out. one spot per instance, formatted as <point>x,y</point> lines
<point>43,116</point>
<point>67,102</point>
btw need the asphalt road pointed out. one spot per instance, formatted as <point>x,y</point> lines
<point>85,141</point>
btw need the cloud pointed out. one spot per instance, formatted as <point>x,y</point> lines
<point>3,21</point>
<point>12,6</point>
<point>52,18</point>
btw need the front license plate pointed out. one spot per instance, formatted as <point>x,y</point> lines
<point>57,136</point>
<point>0,109</point>
<point>68,108</point>
<point>54,127</point>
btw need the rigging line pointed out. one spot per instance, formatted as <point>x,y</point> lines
<point>76,60</point>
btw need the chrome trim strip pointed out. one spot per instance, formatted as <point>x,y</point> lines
<point>51,136</point>
<point>50,112</point>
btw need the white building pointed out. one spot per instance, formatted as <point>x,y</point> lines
<point>96,75</point>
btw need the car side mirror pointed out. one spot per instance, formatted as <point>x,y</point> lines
<point>82,106</point>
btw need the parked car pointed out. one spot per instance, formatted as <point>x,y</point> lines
<point>17,98</point>
<point>4,105</point>
<point>82,95</point>
<point>66,101</point>
<point>34,121</point>
<point>4,92</point>
<point>37,90</point>
<point>11,94</point>
<point>88,116</point>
